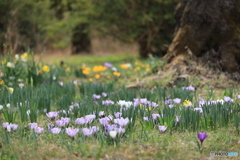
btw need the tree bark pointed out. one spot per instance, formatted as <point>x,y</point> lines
<point>203,26</point>
<point>81,39</point>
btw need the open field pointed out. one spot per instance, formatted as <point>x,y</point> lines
<point>85,109</point>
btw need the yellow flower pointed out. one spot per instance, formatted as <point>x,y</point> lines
<point>85,71</point>
<point>24,57</point>
<point>10,90</point>
<point>116,74</point>
<point>67,69</point>
<point>99,68</point>
<point>45,68</point>
<point>97,76</point>
<point>187,103</point>
<point>1,82</point>
<point>40,72</point>
<point>137,69</point>
<point>4,61</point>
<point>90,79</point>
<point>148,69</point>
<point>124,66</point>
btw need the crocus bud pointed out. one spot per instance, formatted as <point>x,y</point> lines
<point>113,134</point>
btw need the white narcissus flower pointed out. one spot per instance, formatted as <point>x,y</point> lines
<point>113,133</point>
<point>10,65</point>
<point>1,107</point>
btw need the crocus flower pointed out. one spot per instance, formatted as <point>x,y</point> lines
<point>104,94</point>
<point>118,114</point>
<point>80,121</point>
<point>121,122</point>
<point>162,128</point>
<point>52,115</point>
<point>126,104</point>
<point>228,99</point>
<point>101,113</point>
<point>104,120</point>
<point>32,125</point>
<point>113,134</point>
<point>96,96</point>
<point>39,130</point>
<point>177,100</point>
<point>107,102</point>
<point>107,64</point>
<point>202,136</point>
<point>145,118</point>
<point>87,131</point>
<point>72,131</point>
<point>55,130</point>
<point>155,116</point>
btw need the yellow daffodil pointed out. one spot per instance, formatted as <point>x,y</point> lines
<point>45,68</point>
<point>67,69</point>
<point>99,68</point>
<point>1,82</point>
<point>97,76</point>
<point>187,103</point>
<point>90,79</point>
<point>10,90</point>
<point>116,74</point>
<point>24,57</point>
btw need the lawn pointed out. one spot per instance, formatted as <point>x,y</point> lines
<point>83,108</point>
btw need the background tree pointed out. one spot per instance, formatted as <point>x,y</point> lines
<point>206,29</point>
<point>149,23</point>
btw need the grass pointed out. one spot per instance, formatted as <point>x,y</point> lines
<point>141,140</point>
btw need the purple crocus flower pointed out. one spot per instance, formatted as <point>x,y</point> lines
<point>5,124</point>
<point>55,130</point>
<point>121,122</point>
<point>80,121</point>
<point>103,121</point>
<point>39,130</point>
<point>60,123</point>
<point>162,128</point>
<point>87,131</point>
<point>110,127</point>
<point>120,130</point>
<point>238,96</point>
<point>32,125</point>
<point>177,100</point>
<point>96,96</point>
<point>104,94</point>
<point>202,136</point>
<point>107,64</point>
<point>94,129</point>
<point>168,101</point>
<point>72,131</point>
<point>101,113</point>
<point>170,105</point>
<point>118,114</point>
<point>198,109</point>
<point>50,126</point>
<point>155,116</point>
<point>228,99</point>
<point>90,118</point>
<point>52,115</point>
<point>107,102</point>
<point>145,118</point>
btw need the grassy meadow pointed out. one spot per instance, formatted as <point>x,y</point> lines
<point>79,107</point>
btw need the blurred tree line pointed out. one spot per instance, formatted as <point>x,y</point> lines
<point>61,23</point>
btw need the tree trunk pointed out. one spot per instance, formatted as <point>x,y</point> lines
<point>206,26</point>
<point>80,39</point>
